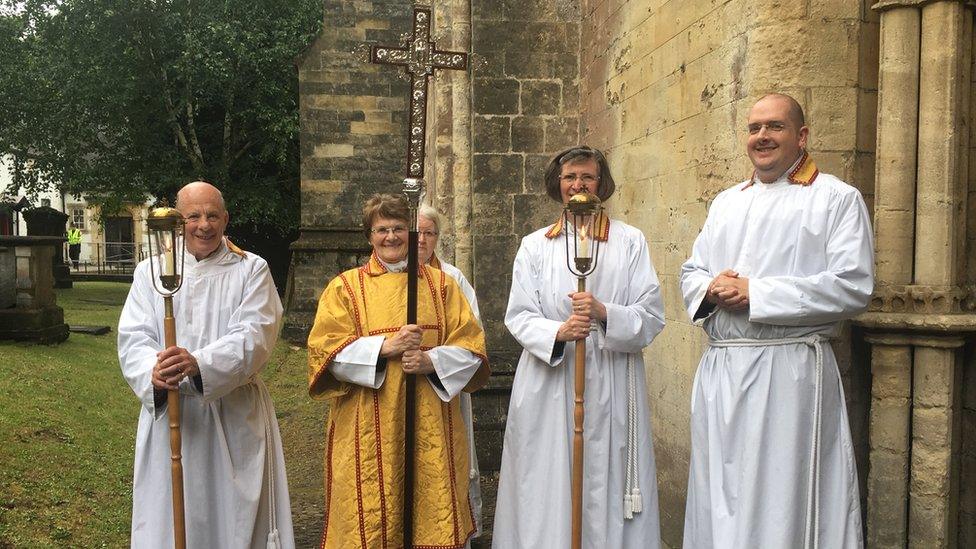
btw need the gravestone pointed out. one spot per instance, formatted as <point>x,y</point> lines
<point>28,308</point>
<point>46,221</point>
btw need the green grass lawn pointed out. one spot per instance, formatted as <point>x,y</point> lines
<point>67,431</point>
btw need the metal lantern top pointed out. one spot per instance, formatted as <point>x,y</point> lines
<point>580,216</point>
<point>584,204</point>
<point>166,243</point>
<point>165,219</point>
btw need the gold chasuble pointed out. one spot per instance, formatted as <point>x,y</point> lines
<point>365,429</point>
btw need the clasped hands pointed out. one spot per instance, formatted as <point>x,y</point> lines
<point>406,345</point>
<point>585,309</point>
<point>729,291</point>
<point>173,364</point>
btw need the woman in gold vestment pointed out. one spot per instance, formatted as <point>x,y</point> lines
<point>359,351</point>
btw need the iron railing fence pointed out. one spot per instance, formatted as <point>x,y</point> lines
<point>107,257</point>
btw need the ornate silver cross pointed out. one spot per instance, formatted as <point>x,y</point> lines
<point>419,56</point>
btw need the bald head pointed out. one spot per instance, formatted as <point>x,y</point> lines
<point>796,111</point>
<point>202,206</point>
<point>199,190</point>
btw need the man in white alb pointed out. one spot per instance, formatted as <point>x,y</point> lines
<point>228,314</point>
<point>783,257</point>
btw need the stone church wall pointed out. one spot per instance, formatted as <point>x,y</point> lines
<point>665,89</point>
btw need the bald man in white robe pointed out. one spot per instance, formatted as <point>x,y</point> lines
<point>227,316</point>
<point>783,258</point>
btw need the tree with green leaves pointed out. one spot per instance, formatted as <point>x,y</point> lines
<point>117,100</point>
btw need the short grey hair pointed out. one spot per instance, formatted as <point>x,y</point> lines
<point>431,213</point>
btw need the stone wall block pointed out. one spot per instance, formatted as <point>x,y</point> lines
<point>930,472</point>
<point>533,212</point>
<point>571,98</point>
<point>932,427</point>
<point>927,523</point>
<point>887,499</point>
<point>496,96</point>
<point>541,97</point>
<point>891,371</point>
<point>561,133</point>
<point>532,64</point>
<point>535,171</point>
<point>497,173</point>
<point>829,114</point>
<point>528,134</point>
<point>933,377</point>
<point>492,134</point>
<point>491,214</point>
<point>788,55</point>
<point>890,425</point>
<point>835,9</point>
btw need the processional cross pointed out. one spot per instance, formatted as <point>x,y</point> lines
<point>420,57</point>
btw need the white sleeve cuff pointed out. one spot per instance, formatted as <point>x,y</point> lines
<point>357,363</point>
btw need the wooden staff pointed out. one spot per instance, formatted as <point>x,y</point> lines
<point>413,189</point>
<point>175,441</point>
<point>578,412</point>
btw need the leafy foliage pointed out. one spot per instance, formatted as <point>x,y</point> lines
<point>119,99</point>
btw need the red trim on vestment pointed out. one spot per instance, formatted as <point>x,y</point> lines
<point>352,297</point>
<point>328,485</point>
<point>329,359</point>
<point>359,486</point>
<point>379,465</point>
<point>450,454</point>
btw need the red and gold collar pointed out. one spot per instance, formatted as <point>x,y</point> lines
<point>803,174</point>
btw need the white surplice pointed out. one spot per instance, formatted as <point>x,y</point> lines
<point>474,473</point>
<point>533,509</point>
<point>808,254</point>
<point>235,488</point>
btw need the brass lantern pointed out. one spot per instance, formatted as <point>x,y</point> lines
<point>580,214</point>
<point>166,243</point>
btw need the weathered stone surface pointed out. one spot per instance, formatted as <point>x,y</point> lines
<point>541,97</point>
<point>493,134</point>
<point>494,173</point>
<point>528,134</point>
<point>496,95</point>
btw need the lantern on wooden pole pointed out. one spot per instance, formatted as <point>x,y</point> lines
<point>167,244</point>
<point>579,219</point>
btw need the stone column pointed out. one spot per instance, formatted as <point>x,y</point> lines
<point>894,219</point>
<point>922,313</point>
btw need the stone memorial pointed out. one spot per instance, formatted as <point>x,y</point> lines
<point>46,221</point>
<point>28,308</point>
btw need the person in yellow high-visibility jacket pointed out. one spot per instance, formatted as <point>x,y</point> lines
<point>74,244</point>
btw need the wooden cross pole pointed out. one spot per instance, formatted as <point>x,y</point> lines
<point>419,57</point>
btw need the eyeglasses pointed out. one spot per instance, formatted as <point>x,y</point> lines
<point>585,178</point>
<point>771,127</point>
<point>385,231</point>
<point>427,234</point>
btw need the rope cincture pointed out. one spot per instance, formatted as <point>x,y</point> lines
<point>273,539</point>
<point>633,503</point>
<point>811,533</point>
